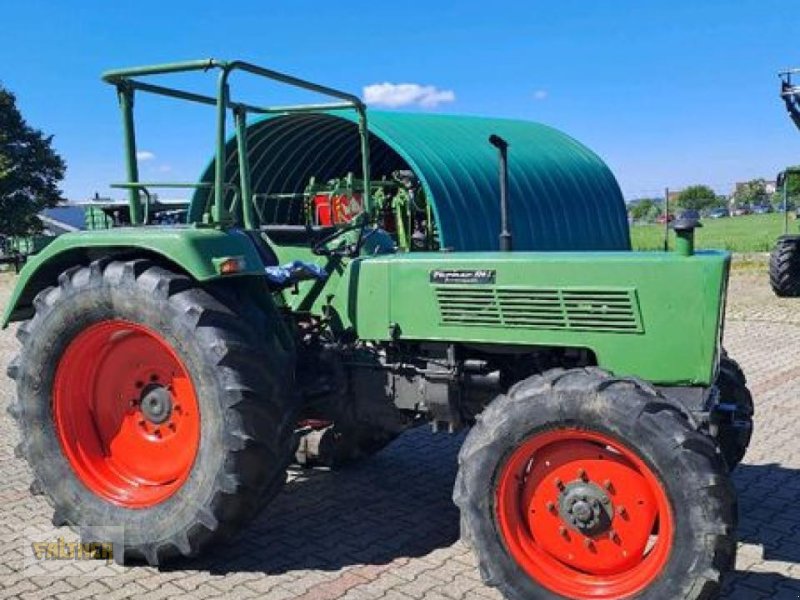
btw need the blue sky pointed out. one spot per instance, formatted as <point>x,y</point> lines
<point>668,93</point>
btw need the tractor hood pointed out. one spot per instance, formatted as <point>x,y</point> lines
<point>652,315</point>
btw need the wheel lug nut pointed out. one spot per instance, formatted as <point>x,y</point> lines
<point>589,544</point>
<point>140,384</point>
<point>551,507</point>
<point>621,511</point>
<point>607,485</point>
<point>582,474</point>
<point>612,535</point>
<point>559,483</point>
<point>563,531</point>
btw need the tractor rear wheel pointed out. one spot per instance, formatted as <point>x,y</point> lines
<point>784,266</point>
<point>148,406</point>
<point>580,485</point>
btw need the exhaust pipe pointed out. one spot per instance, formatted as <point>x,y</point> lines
<point>505,233</point>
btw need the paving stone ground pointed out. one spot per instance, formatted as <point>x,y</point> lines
<point>387,527</point>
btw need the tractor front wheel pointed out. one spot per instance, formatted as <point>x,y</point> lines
<point>150,407</point>
<point>735,425</point>
<point>580,485</point>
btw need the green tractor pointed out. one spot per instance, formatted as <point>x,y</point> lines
<point>784,261</point>
<point>336,284</point>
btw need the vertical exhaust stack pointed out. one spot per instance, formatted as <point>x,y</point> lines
<point>505,232</point>
<point>684,235</point>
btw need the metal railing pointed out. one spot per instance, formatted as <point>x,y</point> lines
<point>126,83</point>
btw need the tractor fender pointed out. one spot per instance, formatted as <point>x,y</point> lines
<point>198,252</point>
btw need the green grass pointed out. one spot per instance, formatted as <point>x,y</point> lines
<point>753,233</point>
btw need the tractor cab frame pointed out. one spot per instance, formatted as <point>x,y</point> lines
<point>128,83</point>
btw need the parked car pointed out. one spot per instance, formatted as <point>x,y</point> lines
<point>690,214</point>
<point>719,213</point>
<point>762,209</point>
<point>741,211</point>
<point>665,218</point>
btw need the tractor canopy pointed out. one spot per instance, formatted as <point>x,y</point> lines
<point>561,195</point>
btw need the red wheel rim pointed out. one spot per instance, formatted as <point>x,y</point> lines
<point>126,413</point>
<point>630,542</point>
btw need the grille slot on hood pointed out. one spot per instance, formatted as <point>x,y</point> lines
<point>574,309</point>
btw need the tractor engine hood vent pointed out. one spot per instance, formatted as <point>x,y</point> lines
<point>572,309</point>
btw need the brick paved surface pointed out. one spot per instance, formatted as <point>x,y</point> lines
<point>388,529</point>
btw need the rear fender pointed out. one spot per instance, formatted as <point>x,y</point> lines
<point>196,252</point>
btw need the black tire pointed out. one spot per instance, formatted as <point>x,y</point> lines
<point>735,428</point>
<point>686,462</point>
<point>784,267</point>
<point>245,402</point>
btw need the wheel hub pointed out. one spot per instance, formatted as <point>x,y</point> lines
<point>581,513</point>
<point>126,413</point>
<point>156,404</point>
<point>586,507</point>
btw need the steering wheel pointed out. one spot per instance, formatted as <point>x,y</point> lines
<point>319,248</point>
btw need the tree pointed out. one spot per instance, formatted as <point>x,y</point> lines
<point>30,171</point>
<point>793,191</point>
<point>751,192</point>
<point>697,197</point>
<point>645,209</point>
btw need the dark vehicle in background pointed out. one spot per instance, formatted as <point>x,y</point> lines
<point>692,214</point>
<point>719,213</point>
<point>762,209</point>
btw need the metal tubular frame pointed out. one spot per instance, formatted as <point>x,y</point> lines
<point>790,93</point>
<point>126,85</point>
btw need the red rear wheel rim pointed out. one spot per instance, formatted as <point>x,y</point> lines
<point>629,546</point>
<point>126,413</point>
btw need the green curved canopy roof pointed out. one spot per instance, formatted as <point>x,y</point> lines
<point>561,195</point>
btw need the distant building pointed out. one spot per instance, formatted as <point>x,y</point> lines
<point>63,219</point>
<point>102,213</point>
<point>770,187</point>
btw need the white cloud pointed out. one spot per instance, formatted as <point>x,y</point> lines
<point>540,94</point>
<point>164,169</point>
<point>145,155</point>
<point>406,94</point>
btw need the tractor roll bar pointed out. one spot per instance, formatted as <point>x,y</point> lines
<point>123,80</point>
